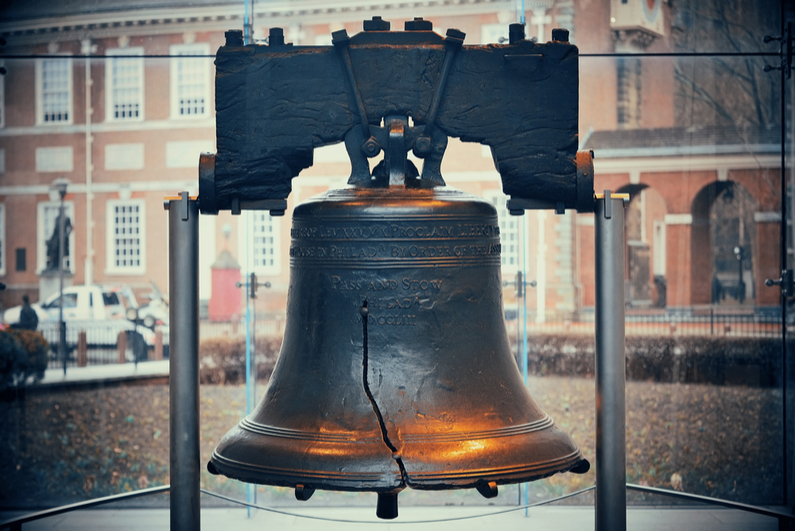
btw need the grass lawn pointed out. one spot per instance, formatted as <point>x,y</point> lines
<point>62,447</point>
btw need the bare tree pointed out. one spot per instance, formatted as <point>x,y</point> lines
<point>720,90</point>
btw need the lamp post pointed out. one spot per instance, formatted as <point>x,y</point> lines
<point>739,254</point>
<point>60,185</point>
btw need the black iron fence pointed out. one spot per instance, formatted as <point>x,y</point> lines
<point>692,321</point>
<point>102,338</point>
<point>104,342</point>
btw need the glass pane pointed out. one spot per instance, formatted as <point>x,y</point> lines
<point>694,141</point>
<point>699,155</point>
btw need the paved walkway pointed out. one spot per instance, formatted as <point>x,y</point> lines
<point>114,372</point>
<point>555,518</point>
<point>552,518</point>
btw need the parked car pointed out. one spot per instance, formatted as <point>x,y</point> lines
<point>100,311</point>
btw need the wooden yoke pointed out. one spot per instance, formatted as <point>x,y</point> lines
<point>275,104</point>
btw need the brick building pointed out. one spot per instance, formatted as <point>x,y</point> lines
<point>126,129</point>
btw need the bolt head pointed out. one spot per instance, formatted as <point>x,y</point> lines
<point>418,24</point>
<point>560,35</point>
<point>371,147</point>
<point>422,146</point>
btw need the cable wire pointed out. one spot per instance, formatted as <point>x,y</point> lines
<point>392,522</point>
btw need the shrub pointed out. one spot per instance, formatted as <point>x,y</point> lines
<point>23,354</point>
<point>222,360</point>
<point>717,360</point>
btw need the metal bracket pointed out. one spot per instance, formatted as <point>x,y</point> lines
<point>340,40</point>
<point>183,205</point>
<point>785,53</point>
<point>452,44</point>
<point>608,196</point>
<point>787,283</point>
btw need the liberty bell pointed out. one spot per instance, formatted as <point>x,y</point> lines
<point>395,369</point>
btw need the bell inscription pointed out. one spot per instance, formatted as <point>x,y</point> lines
<point>395,369</point>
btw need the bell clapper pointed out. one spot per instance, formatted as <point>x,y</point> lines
<point>487,490</point>
<point>387,507</point>
<point>303,492</point>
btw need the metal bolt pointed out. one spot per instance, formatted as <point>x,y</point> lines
<point>371,147</point>
<point>418,24</point>
<point>422,146</point>
<point>276,37</point>
<point>516,33</point>
<point>560,35</point>
<point>377,24</point>
<point>234,37</point>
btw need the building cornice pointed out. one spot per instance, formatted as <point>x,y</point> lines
<point>176,19</point>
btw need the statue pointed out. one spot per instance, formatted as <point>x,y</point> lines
<point>53,243</point>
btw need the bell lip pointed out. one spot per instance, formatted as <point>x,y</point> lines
<point>244,472</point>
<point>346,482</point>
<point>502,476</point>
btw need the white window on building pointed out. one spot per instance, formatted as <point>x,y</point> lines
<point>509,231</point>
<point>124,85</point>
<point>54,91</point>
<point>2,97</point>
<point>3,250</point>
<point>126,230</point>
<point>260,244</point>
<point>190,81</point>
<point>47,215</point>
<point>494,34</point>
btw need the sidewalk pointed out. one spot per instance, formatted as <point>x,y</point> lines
<point>557,518</point>
<point>110,373</point>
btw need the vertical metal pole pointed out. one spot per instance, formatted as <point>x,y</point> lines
<point>61,244</point>
<point>183,286</point>
<point>611,490</point>
<point>523,239</point>
<point>252,374</point>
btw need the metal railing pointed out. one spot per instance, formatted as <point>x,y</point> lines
<point>690,321</point>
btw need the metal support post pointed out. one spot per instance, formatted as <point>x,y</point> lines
<point>183,286</point>
<point>611,492</point>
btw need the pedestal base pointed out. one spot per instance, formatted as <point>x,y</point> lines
<point>49,283</point>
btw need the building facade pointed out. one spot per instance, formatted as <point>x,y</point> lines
<point>120,101</point>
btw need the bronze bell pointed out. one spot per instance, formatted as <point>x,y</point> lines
<point>395,370</point>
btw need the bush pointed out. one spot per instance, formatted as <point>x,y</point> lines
<point>23,354</point>
<point>222,360</point>
<point>715,360</point>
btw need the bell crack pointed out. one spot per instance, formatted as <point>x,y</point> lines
<point>365,367</point>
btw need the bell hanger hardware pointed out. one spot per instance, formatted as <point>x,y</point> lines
<point>395,370</point>
<point>433,88</point>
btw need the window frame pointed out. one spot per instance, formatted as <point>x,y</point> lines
<point>42,234</point>
<point>504,217</point>
<point>199,48</point>
<point>111,268</point>
<point>111,58</point>
<point>3,240</point>
<point>248,249</point>
<point>40,91</point>
<point>2,98</point>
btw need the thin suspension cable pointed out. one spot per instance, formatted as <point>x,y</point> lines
<point>392,522</point>
<point>593,54</point>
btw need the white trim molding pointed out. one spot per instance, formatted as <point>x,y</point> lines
<point>767,217</point>
<point>693,163</point>
<point>679,219</point>
<point>55,159</point>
